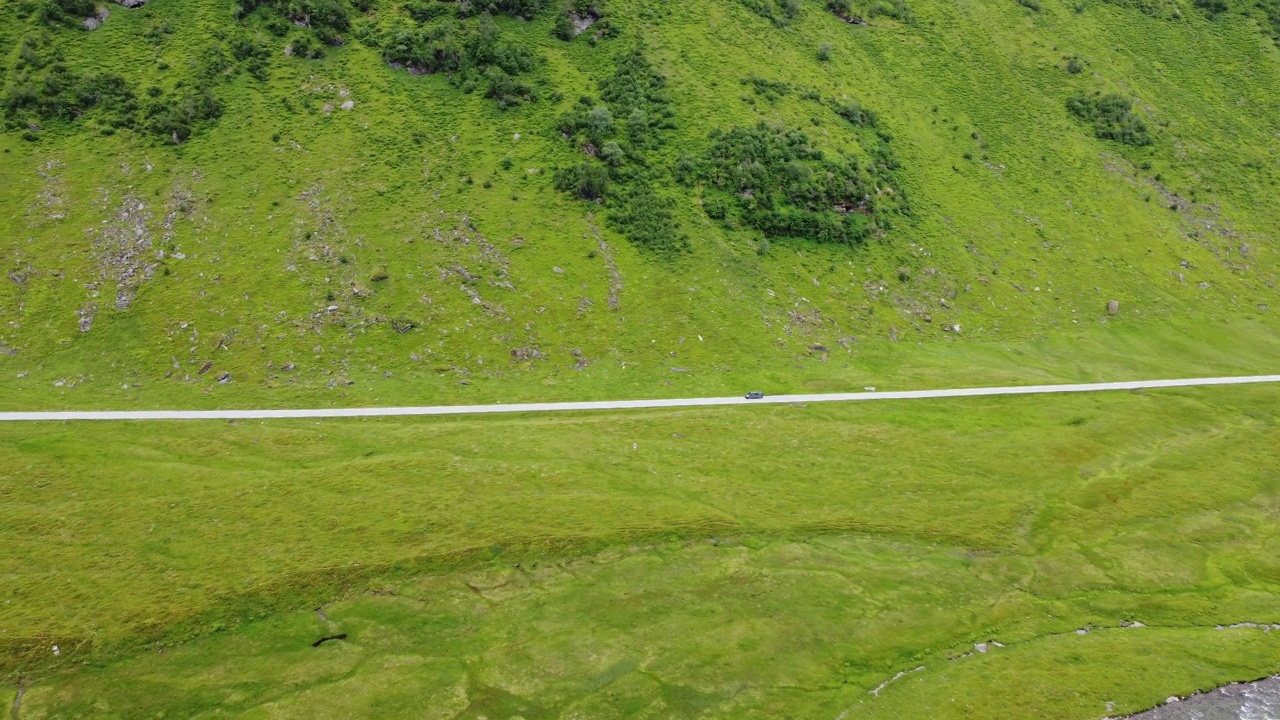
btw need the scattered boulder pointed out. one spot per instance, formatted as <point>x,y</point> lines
<point>131,4</point>
<point>526,353</point>
<point>224,377</point>
<point>1113,307</point>
<point>582,22</point>
<point>288,367</point>
<point>205,368</point>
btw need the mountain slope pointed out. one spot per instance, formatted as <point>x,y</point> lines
<point>341,219</point>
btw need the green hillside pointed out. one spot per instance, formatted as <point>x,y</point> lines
<point>308,250</point>
<point>305,203</point>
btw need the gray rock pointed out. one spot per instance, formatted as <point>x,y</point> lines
<point>1113,307</point>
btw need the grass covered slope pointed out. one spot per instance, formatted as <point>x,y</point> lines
<point>343,231</point>
<point>755,562</point>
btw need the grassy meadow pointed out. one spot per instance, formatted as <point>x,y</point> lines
<point>754,562</point>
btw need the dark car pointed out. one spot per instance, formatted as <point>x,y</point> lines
<point>755,395</point>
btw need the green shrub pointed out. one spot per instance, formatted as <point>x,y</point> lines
<point>612,153</point>
<point>855,113</point>
<point>770,90</point>
<point>506,88</point>
<point>1270,10</point>
<point>824,52</point>
<point>176,118</point>
<point>517,8</point>
<point>1030,4</point>
<point>587,180</point>
<point>253,53</point>
<point>715,209</point>
<point>634,95</point>
<point>55,10</point>
<point>646,220</point>
<point>468,52</point>
<point>42,88</point>
<point>305,45</point>
<point>327,17</point>
<point>635,84</point>
<point>778,12</point>
<point>1112,117</point>
<point>425,10</point>
<point>563,27</point>
<point>785,187</point>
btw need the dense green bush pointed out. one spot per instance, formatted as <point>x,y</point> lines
<point>176,118</point>
<point>252,53</point>
<point>329,15</point>
<point>770,90</point>
<point>325,20</point>
<point>855,113</point>
<point>618,131</point>
<point>646,220</point>
<point>505,88</point>
<point>42,88</point>
<point>426,10</point>
<point>587,122</point>
<point>635,86</point>
<point>778,12</point>
<point>783,186</point>
<point>518,8</point>
<point>587,180</point>
<point>54,11</point>
<point>563,27</point>
<point>1112,117</point>
<point>468,51</point>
